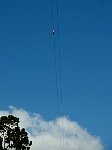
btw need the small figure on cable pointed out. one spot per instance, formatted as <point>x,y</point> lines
<point>53,32</point>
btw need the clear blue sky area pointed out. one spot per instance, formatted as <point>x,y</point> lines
<point>27,72</point>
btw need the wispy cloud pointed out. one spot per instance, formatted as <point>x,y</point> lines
<point>58,134</point>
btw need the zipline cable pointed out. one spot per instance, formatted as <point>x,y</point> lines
<point>58,68</point>
<point>52,7</point>
<point>60,76</point>
<point>55,59</point>
<point>59,49</point>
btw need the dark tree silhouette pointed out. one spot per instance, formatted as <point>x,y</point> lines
<point>11,136</point>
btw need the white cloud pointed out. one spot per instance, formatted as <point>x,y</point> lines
<point>58,134</point>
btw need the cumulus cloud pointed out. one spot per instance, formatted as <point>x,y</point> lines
<point>58,134</point>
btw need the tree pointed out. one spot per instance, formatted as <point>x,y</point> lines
<point>11,136</point>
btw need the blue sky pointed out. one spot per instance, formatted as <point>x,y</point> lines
<point>27,72</point>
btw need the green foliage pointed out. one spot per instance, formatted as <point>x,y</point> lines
<point>11,136</point>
